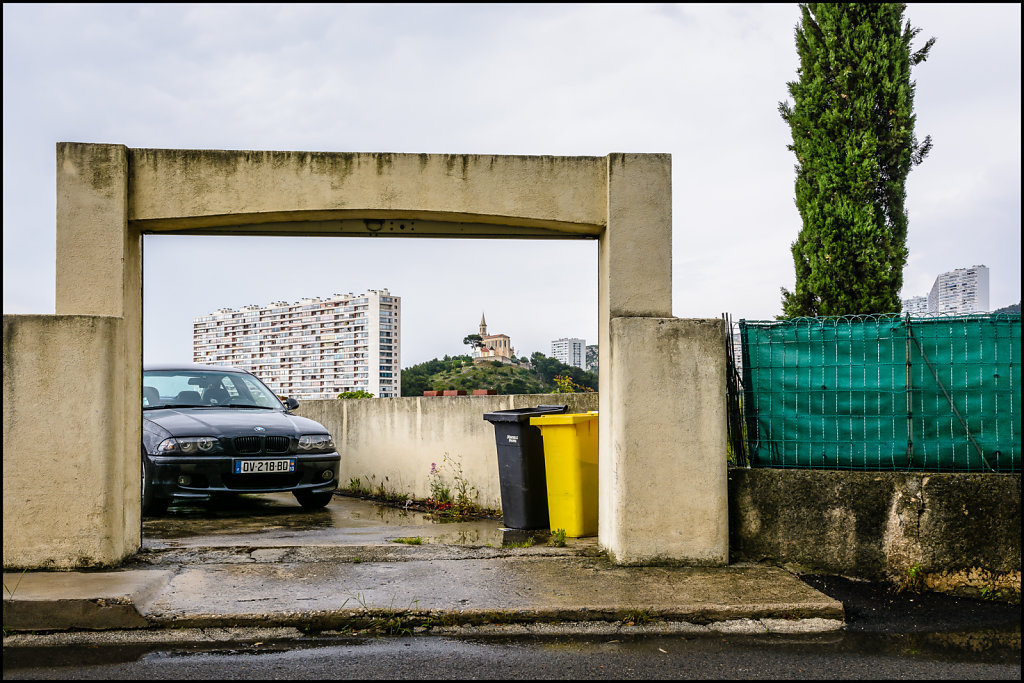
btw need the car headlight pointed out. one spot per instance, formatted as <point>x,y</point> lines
<point>316,443</point>
<point>189,445</point>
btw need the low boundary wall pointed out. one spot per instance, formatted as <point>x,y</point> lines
<point>394,441</point>
<point>955,532</point>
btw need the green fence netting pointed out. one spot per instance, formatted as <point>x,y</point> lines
<point>883,393</point>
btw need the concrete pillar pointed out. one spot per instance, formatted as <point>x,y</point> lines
<point>99,273</point>
<point>64,489</point>
<point>669,498</point>
<point>663,487</point>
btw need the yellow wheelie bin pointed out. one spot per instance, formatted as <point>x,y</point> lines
<point>570,465</point>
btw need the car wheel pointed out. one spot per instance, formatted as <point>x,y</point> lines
<point>311,500</point>
<point>151,505</point>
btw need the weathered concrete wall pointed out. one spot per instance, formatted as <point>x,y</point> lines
<point>671,504</point>
<point>65,493</point>
<point>962,530</point>
<point>393,441</point>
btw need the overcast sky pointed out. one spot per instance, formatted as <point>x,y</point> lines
<point>700,82</point>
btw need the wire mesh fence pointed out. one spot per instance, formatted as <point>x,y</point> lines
<point>884,392</point>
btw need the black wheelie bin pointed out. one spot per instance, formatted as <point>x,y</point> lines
<point>524,490</point>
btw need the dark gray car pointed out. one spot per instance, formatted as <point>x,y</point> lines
<point>209,430</point>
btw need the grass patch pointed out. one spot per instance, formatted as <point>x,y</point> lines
<point>637,617</point>
<point>409,540</point>
<point>914,579</point>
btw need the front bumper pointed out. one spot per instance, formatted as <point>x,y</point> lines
<point>201,476</point>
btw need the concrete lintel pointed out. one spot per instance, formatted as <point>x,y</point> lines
<point>371,227</point>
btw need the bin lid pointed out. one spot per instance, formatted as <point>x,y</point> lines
<point>565,419</point>
<point>523,414</point>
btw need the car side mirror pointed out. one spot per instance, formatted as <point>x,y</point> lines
<point>291,403</point>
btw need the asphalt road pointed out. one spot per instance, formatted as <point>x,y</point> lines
<point>842,656</point>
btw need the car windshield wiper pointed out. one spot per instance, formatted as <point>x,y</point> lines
<point>242,405</point>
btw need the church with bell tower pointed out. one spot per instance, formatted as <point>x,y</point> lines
<point>493,346</point>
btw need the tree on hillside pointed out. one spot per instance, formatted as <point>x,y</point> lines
<point>549,368</point>
<point>474,341</point>
<point>852,122</point>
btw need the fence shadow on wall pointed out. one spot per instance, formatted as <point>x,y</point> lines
<point>882,392</point>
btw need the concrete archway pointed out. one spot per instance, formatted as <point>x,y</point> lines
<point>662,435</point>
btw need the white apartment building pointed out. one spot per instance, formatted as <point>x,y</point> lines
<point>964,290</point>
<point>571,351</point>
<point>916,305</point>
<point>313,349</point>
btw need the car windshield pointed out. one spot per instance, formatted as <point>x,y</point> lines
<point>205,389</point>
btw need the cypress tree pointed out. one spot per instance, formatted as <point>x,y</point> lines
<point>852,122</point>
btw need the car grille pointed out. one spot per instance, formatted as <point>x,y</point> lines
<point>284,480</point>
<point>252,445</point>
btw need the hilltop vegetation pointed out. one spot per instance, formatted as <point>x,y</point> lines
<point>1012,308</point>
<point>533,376</point>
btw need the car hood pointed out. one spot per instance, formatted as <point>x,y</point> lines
<point>230,422</point>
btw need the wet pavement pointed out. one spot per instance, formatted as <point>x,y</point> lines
<point>277,520</point>
<point>263,561</point>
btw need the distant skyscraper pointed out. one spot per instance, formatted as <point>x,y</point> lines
<point>570,351</point>
<point>313,349</point>
<point>916,305</point>
<point>964,290</point>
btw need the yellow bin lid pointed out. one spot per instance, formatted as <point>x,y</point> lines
<point>563,419</point>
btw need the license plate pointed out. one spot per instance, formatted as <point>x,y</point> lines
<point>263,466</point>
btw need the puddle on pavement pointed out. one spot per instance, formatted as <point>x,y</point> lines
<point>344,520</point>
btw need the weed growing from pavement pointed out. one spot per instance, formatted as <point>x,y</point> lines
<point>914,580</point>
<point>557,538</point>
<point>460,505</point>
<point>438,491</point>
<point>388,621</point>
<point>990,593</point>
<point>637,617</point>
<point>9,593</point>
<point>356,488</point>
